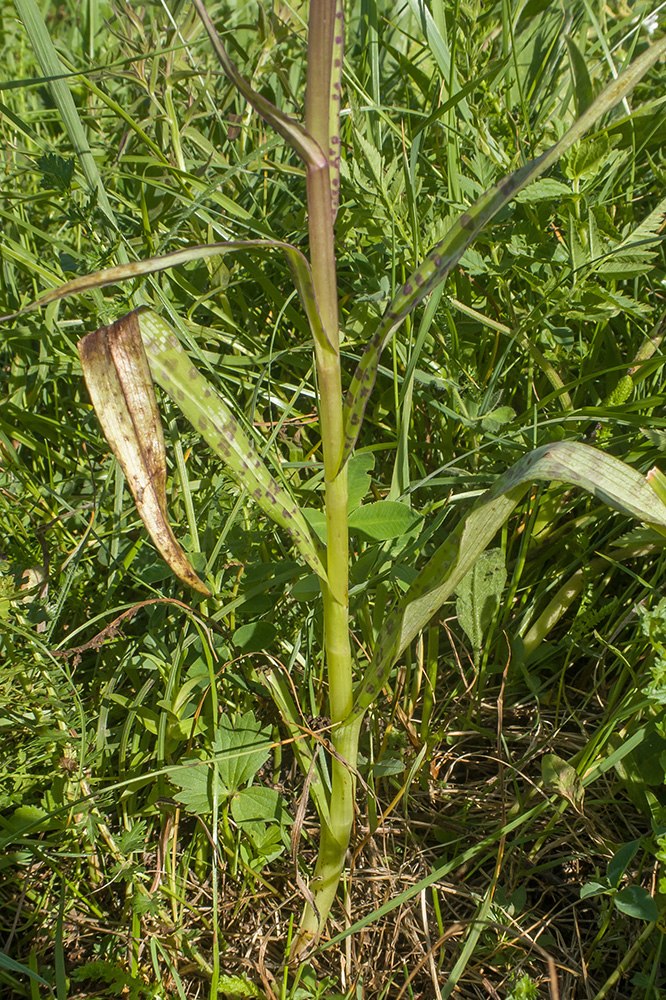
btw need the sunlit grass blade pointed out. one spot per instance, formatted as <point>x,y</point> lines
<point>207,412</point>
<point>121,388</point>
<point>600,474</point>
<point>446,254</point>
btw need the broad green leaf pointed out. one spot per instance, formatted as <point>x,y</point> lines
<point>195,778</point>
<point>620,861</point>
<point>257,804</point>
<point>383,519</point>
<point>446,254</point>
<point>241,748</point>
<point>605,477</point>
<point>121,389</point>
<point>254,636</point>
<point>593,889</point>
<point>559,776</point>
<point>637,902</point>
<point>479,594</point>
<point>209,414</point>
<point>359,476</point>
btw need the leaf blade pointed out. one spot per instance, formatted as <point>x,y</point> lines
<point>209,414</point>
<point>118,378</point>
<point>602,475</point>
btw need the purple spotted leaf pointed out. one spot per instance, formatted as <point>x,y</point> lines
<point>209,414</point>
<point>121,389</point>
<point>446,254</point>
<point>604,477</point>
<point>298,265</point>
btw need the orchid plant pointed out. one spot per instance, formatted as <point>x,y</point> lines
<point>120,363</point>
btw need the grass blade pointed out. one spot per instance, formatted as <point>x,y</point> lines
<point>52,67</point>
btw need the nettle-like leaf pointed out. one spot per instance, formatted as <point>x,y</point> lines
<point>604,477</point>
<point>446,254</point>
<point>121,389</point>
<point>209,414</point>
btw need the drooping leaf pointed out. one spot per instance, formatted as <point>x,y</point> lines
<point>291,131</point>
<point>446,254</point>
<point>121,389</point>
<point>583,93</point>
<point>209,414</point>
<point>605,477</point>
<point>383,519</point>
<point>479,594</point>
<point>298,265</point>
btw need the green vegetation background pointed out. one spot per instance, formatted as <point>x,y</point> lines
<point>566,285</point>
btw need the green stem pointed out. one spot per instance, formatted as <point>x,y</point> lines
<point>336,830</point>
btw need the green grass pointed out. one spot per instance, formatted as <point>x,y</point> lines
<point>470,847</point>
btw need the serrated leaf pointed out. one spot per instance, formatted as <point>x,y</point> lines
<point>637,902</point>
<point>605,477</point>
<point>479,594</point>
<point>559,776</point>
<point>257,804</point>
<point>241,748</point>
<point>195,778</point>
<point>209,414</point>
<point>131,841</point>
<point>546,189</point>
<point>383,519</point>
<point>120,384</point>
